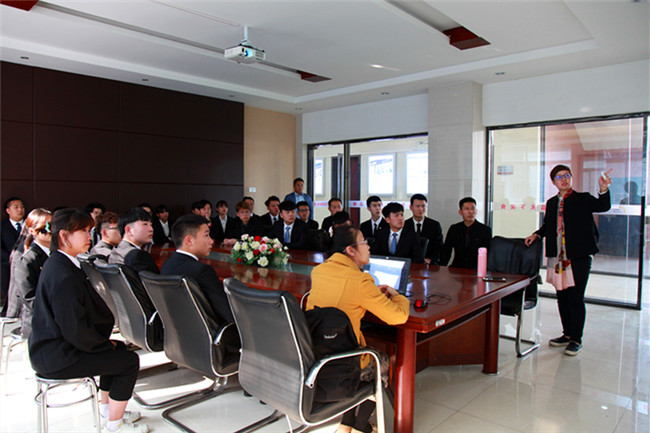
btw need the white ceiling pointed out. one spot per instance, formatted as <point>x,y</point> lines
<point>177,44</point>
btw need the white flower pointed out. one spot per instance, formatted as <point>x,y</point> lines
<point>255,245</point>
<point>249,255</point>
<point>285,260</point>
<point>263,261</point>
<point>237,246</point>
<point>244,237</point>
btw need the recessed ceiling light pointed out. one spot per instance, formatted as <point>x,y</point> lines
<point>298,109</point>
<point>377,66</point>
<point>385,93</point>
<point>499,73</point>
<point>145,79</point>
<point>24,57</point>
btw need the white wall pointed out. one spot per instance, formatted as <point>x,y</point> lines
<point>616,89</point>
<point>397,116</point>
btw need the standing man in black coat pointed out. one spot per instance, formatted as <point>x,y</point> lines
<point>425,227</point>
<point>395,241</point>
<point>465,238</point>
<point>192,235</point>
<point>571,241</point>
<point>10,231</point>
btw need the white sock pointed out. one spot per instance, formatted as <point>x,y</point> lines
<point>103,410</point>
<point>114,425</point>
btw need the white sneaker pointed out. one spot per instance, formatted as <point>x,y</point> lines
<point>128,416</point>
<point>128,427</point>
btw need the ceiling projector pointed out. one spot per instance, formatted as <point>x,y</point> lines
<point>244,53</point>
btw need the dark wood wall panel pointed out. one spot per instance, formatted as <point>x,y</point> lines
<point>54,193</point>
<point>149,110</point>
<point>68,139</point>
<point>17,150</point>
<point>75,100</point>
<point>76,154</point>
<point>204,162</point>
<point>16,95</point>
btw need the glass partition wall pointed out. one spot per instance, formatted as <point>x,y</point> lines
<point>521,158</point>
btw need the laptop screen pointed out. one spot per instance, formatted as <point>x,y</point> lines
<point>392,271</point>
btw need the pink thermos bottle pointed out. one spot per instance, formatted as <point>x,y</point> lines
<point>482,262</point>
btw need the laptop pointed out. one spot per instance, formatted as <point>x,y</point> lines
<point>393,271</point>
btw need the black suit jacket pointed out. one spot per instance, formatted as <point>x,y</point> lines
<point>205,277</point>
<point>366,227</point>
<point>298,234</point>
<point>216,230</point>
<point>580,231</point>
<point>266,219</point>
<point>70,318</point>
<point>465,255</point>
<point>327,223</point>
<point>253,228</point>
<point>23,286</point>
<point>125,253</point>
<point>408,245</point>
<point>311,224</point>
<point>431,230</point>
<point>158,232</point>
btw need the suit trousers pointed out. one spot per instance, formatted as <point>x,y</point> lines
<point>571,301</point>
<point>117,370</point>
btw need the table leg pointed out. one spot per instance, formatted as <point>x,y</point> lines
<point>405,381</point>
<point>491,356</point>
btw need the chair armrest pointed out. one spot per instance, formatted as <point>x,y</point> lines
<point>313,373</point>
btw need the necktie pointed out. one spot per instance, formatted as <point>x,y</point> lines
<point>393,244</point>
<point>374,228</point>
<point>287,234</point>
<point>419,228</point>
<point>18,227</point>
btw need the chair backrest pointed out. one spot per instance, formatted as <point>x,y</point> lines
<point>424,246</point>
<point>136,314</point>
<point>512,256</point>
<point>97,281</point>
<point>277,349</point>
<point>193,336</point>
<point>317,240</point>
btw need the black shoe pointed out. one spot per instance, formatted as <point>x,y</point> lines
<point>247,394</point>
<point>559,341</point>
<point>573,349</point>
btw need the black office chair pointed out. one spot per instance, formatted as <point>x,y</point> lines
<point>193,336</point>
<point>512,256</point>
<point>97,281</point>
<point>317,240</point>
<point>278,364</point>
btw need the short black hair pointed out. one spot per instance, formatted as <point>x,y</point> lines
<point>222,203</point>
<point>161,208</point>
<point>145,205</point>
<point>186,225</point>
<point>343,237</point>
<point>248,197</point>
<point>287,205</point>
<point>466,200</point>
<point>270,199</point>
<point>302,203</point>
<point>10,199</point>
<point>372,199</point>
<point>94,205</point>
<point>392,207</point>
<point>418,197</point>
<point>340,217</point>
<point>298,179</point>
<point>558,168</point>
<point>332,200</point>
<point>200,204</point>
<point>130,216</point>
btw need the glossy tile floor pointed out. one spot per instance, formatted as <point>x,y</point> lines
<point>604,389</point>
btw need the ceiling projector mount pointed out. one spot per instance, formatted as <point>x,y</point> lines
<point>245,52</point>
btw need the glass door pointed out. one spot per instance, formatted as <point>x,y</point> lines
<point>327,168</point>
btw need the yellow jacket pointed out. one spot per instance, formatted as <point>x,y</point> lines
<point>340,283</point>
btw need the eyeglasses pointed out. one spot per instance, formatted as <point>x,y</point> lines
<point>365,241</point>
<point>563,176</point>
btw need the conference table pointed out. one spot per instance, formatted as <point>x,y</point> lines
<point>457,298</point>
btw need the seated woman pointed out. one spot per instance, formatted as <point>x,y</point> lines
<point>72,325</point>
<point>340,283</point>
<point>26,268</point>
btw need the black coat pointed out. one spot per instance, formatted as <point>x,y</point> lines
<point>70,318</point>
<point>431,230</point>
<point>158,232</point>
<point>216,230</point>
<point>465,254</point>
<point>581,233</point>
<point>266,219</point>
<point>298,234</point>
<point>253,228</point>
<point>205,277</point>
<point>125,253</point>
<point>366,227</point>
<point>408,245</point>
